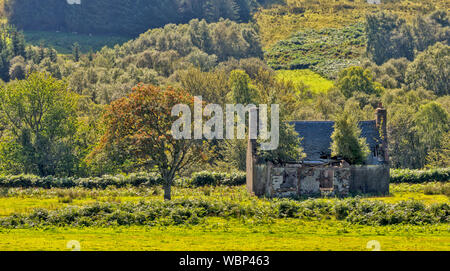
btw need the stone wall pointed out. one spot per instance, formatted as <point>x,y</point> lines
<point>301,180</point>
<point>370,180</point>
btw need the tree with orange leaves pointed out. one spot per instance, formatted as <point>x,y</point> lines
<point>138,129</point>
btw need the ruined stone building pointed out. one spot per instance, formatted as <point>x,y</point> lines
<point>319,173</point>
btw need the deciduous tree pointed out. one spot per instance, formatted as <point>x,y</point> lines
<point>138,131</point>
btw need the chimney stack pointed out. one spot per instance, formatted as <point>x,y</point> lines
<point>381,120</point>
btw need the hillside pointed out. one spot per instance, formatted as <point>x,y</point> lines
<point>326,51</point>
<point>128,18</point>
<point>104,145</point>
<point>282,21</point>
<point>325,69</point>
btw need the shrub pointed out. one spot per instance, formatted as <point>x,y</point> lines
<point>191,211</point>
<point>205,178</point>
<point>27,181</point>
<point>420,176</point>
<point>437,189</point>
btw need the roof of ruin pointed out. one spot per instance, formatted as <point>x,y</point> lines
<point>317,137</point>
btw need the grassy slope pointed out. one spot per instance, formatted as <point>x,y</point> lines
<point>314,81</point>
<point>280,22</point>
<point>324,35</point>
<point>326,51</point>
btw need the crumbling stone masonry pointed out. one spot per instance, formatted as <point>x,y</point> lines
<point>320,174</point>
<point>302,180</point>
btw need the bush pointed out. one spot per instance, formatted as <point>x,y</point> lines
<point>192,211</point>
<point>437,189</point>
<point>420,176</point>
<point>199,179</point>
<point>205,178</point>
<point>28,181</point>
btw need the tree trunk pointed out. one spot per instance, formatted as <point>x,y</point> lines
<point>167,191</point>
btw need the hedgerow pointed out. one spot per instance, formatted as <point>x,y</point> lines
<point>218,178</point>
<point>192,211</point>
<point>199,179</point>
<point>135,179</point>
<point>420,176</point>
<point>27,181</point>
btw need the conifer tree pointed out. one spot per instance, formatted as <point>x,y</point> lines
<point>347,142</point>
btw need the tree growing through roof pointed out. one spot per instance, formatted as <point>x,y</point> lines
<point>347,142</point>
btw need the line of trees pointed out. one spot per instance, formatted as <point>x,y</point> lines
<point>389,36</point>
<point>129,18</point>
<point>80,116</point>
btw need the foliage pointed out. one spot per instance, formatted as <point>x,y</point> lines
<point>40,121</point>
<point>139,131</point>
<point>432,124</point>
<point>437,189</point>
<point>198,179</point>
<point>278,22</point>
<point>206,178</point>
<point>130,18</point>
<point>440,157</point>
<point>420,176</point>
<point>193,211</point>
<point>356,79</point>
<point>141,179</point>
<point>390,75</point>
<point>289,149</point>
<point>240,88</point>
<point>48,182</point>
<point>325,51</point>
<point>346,140</point>
<point>412,135</point>
<point>310,79</point>
<point>157,57</point>
<point>431,70</point>
<point>222,61</point>
<point>389,36</point>
<point>63,41</point>
<point>404,144</point>
<point>76,52</point>
<point>12,44</point>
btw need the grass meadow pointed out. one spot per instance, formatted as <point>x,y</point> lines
<point>216,232</point>
<point>314,81</point>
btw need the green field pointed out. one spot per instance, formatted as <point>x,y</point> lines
<point>221,234</point>
<point>244,232</point>
<point>315,82</point>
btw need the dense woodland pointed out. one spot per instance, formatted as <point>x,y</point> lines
<point>130,17</point>
<point>80,115</point>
